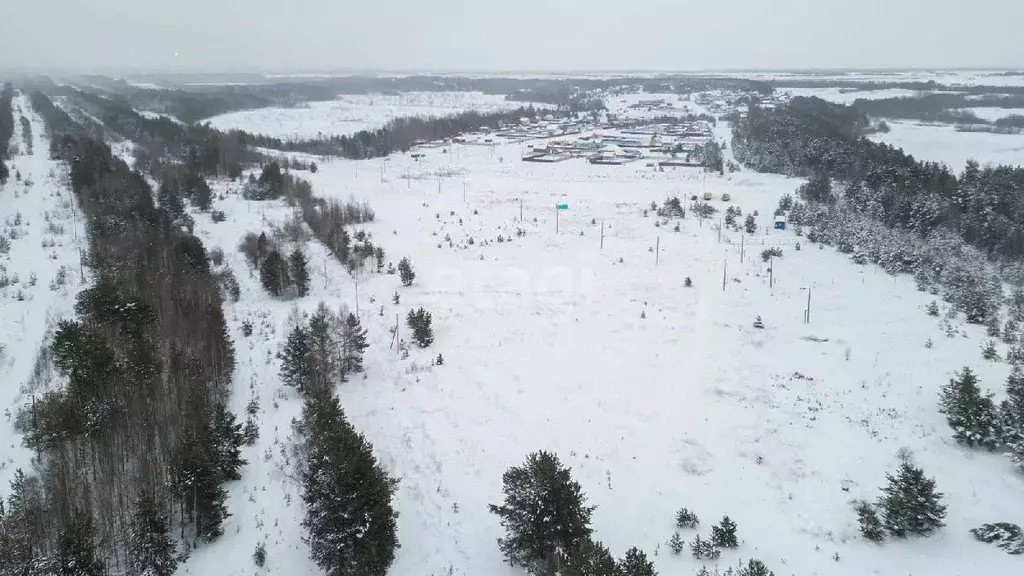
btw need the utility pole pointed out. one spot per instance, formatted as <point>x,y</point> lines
<point>357,297</point>
<point>742,240</point>
<point>807,313</point>
<point>771,271</point>
<point>719,231</point>
<point>657,250</point>
<point>602,234</point>
<point>725,272</point>
<point>556,217</point>
<point>521,210</point>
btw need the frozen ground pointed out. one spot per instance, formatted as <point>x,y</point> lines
<point>352,113</point>
<point>942,143</point>
<point>993,114</point>
<point>38,218</point>
<point>545,347</point>
<point>843,96</point>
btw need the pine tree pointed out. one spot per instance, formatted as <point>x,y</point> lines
<point>754,568</point>
<point>635,563</point>
<point>1010,331</point>
<point>299,272</point>
<point>324,347</point>
<point>274,274</point>
<point>686,519</point>
<point>724,535</point>
<point>910,504</point>
<point>676,543</point>
<point>151,548</point>
<point>76,548</point>
<point>704,549</point>
<point>1011,412</point>
<point>544,511</point>
<point>933,308</point>
<point>296,368</point>
<point>970,414</point>
<point>590,558</point>
<point>422,332</point>
<point>870,524</point>
<point>406,272</point>
<point>196,482</point>
<point>378,253</point>
<point>989,351</point>
<point>353,342</point>
<point>992,326</point>
<point>21,527</point>
<point>750,225</point>
<point>227,442</point>
<point>350,521</point>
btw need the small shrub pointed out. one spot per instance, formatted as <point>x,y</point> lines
<point>440,360</point>
<point>755,568</point>
<point>246,328</point>
<point>688,283</point>
<point>218,216</point>
<point>933,308</point>
<point>870,524</point>
<point>216,256</point>
<point>988,352</point>
<point>704,549</point>
<point>770,253</point>
<point>422,331</point>
<point>259,556</point>
<point>758,323</point>
<point>686,519</point>
<point>396,298</point>
<point>676,544</point>
<point>724,535</point>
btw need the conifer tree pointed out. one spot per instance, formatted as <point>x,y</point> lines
<point>676,543</point>
<point>933,308</point>
<point>750,225</point>
<point>870,524</point>
<point>296,368</point>
<point>686,519</point>
<point>299,272</point>
<point>992,326</point>
<point>350,521</point>
<point>353,343</point>
<point>378,253</point>
<point>989,352</point>
<point>754,568</point>
<point>910,504</point>
<point>635,563</point>
<point>970,414</point>
<point>227,442</point>
<point>151,548</point>
<point>544,511</point>
<point>76,548</point>
<point>274,274</point>
<point>196,482</point>
<point>405,272</point>
<point>1010,331</point>
<point>1011,411</point>
<point>422,332</point>
<point>324,348</point>
<point>590,558</point>
<point>724,535</point>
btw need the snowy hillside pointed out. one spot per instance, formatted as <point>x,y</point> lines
<point>39,273</point>
<point>657,395</point>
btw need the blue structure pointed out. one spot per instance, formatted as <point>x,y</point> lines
<point>780,223</point>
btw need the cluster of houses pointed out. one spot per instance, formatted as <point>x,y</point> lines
<point>672,144</point>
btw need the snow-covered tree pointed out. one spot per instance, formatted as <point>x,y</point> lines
<point>704,549</point>
<point>227,442</point>
<point>724,535</point>
<point>910,503</point>
<point>676,543</point>
<point>151,548</point>
<point>989,352</point>
<point>686,519</point>
<point>76,548</point>
<point>590,558</point>
<point>544,511</point>
<point>754,568</point>
<point>750,225</point>
<point>870,524</point>
<point>298,269</point>
<point>933,308</point>
<point>406,272</point>
<point>350,521</point>
<point>296,368</point>
<point>970,414</point>
<point>635,563</point>
<point>353,343</point>
<point>422,331</point>
<point>274,274</point>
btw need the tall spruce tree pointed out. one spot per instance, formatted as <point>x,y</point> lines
<point>227,443</point>
<point>22,527</point>
<point>196,482</point>
<point>76,548</point>
<point>324,348</point>
<point>544,511</point>
<point>350,521</point>
<point>971,415</point>
<point>353,343</point>
<point>405,272</point>
<point>910,504</point>
<point>151,548</point>
<point>1011,416</point>
<point>296,365</point>
<point>635,563</point>
<point>274,274</point>
<point>299,272</point>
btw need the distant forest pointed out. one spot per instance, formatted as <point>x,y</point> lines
<point>6,127</point>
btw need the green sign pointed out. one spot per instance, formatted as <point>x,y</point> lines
<point>562,206</point>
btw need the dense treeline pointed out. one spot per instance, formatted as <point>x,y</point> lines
<point>57,121</point>
<point>138,443</point>
<point>916,86</point>
<point>879,204</point>
<point>398,135</point>
<point>6,127</point>
<point>941,107</point>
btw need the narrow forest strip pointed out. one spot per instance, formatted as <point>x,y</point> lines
<point>138,439</point>
<point>6,128</point>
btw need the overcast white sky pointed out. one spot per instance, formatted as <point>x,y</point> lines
<point>508,35</point>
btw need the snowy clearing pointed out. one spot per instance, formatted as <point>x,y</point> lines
<point>545,347</point>
<point>38,218</point>
<point>352,113</point>
<point>942,143</point>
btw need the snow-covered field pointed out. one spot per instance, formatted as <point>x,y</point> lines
<point>942,143</point>
<point>659,396</point>
<point>38,218</point>
<point>844,96</point>
<point>993,114</point>
<point>351,113</point>
<point>545,347</point>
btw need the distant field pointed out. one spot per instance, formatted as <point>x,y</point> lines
<point>942,143</point>
<point>352,113</point>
